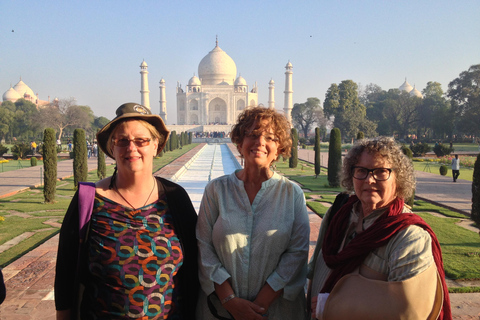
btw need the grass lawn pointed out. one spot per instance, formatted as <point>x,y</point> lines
<point>460,247</point>
<point>434,167</point>
<point>27,212</point>
<point>17,164</point>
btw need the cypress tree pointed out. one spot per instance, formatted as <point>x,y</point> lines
<point>334,157</point>
<point>190,137</point>
<point>293,161</point>
<point>80,166</point>
<point>476,192</point>
<point>360,135</point>
<point>101,165</point>
<point>317,152</point>
<point>49,165</point>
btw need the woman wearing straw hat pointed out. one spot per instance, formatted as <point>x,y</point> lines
<point>139,259</point>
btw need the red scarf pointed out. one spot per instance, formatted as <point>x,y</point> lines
<point>377,235</point>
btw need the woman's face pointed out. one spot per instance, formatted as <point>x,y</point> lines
<point>259,147</point>
<point>135,156</point>
<point>374,194</point>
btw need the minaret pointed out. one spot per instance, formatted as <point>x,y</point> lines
<point>163,101</point>
<point>288,105</point>
<point>271,94</point>
<point>145,93</point>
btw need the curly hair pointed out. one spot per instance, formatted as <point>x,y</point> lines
<point>390,151</point>
<point>253,116</point>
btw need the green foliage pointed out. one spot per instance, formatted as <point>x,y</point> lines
<point>360,135</point>
<point>49,165</point>
<point>101,165</point>
<point>317,151</point>
<point>304,115</point>
<point>190,137</point>
<point>80,166</point>
<point>173,140</point>
<point>476,192</point>
<point>3,150</point>
<point>293,161</point>
<point>443,170</point>
<point>420,149</point>
<point>20,150</point>
<point>442,150</point>
<point>33,162</point>
<point>334,158</point>
<point>406,151</point>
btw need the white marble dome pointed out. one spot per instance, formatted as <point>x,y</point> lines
<point>23,89</point>
<point>240,81</point>
<point>217,67</point>
<point>194,81</point>
<point>11,95</point>
<point>415,93</point>
<point>405,87</point>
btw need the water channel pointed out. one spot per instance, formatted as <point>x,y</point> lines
<point>213,161</point>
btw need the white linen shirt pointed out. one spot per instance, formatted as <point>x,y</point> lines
<point>267,241</point>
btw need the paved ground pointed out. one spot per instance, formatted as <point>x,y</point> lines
<point>29,280</point>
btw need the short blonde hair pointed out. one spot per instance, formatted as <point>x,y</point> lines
<point>253,116</point>
<point>389,150</point>
<point>153,132</point>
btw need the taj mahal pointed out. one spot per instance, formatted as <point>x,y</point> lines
<point>213,100</point>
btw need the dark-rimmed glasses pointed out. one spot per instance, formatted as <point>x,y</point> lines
<point>138,142</point>
<point>379,174</point>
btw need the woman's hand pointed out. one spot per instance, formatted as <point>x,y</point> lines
<point>242,309</point>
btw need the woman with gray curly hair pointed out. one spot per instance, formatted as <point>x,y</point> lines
<point>374,258</point>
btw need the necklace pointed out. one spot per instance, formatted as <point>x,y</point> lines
<point>118,191</point>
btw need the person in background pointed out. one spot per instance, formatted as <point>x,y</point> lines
<point>253,230</point>
<point>3,290</point>
<point>139,259</point>
<point>455,168</point>
<point>374,258</point>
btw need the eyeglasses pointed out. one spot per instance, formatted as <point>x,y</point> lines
<point>138,142</point>
<point>269,137</point>
<point>379,174</point>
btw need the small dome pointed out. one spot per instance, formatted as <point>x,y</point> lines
<point>11,95</point>
<point>22,88</point>
<point>194,81</point>
<point>405,86</point>
<point>271,82</point>
<point>240,81</point>
<point>289,65</point>
<point>144,64</point>
<point>416,93</point>
<point>216,66</point>
<point>162,81</point>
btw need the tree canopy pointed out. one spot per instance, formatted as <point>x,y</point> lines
<point>306,115</point>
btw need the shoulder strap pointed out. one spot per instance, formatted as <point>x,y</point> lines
<point>340,200</point>
<point>86,196</point>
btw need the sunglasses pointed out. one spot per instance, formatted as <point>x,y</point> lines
<point>138,142</point>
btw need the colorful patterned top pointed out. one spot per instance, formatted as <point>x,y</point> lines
<point>133,257</point>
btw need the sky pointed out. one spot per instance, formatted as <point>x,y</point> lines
<point>92,50</point>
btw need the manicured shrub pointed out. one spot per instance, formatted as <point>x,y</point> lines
<point>420,149</point>
<point>293,161</point>
<point>33,162</point>
<point>406,151</point>
<point>49,152</point>
<point>443,170</point>
<point>334,158</point>
<point>101,165</point>
<point>3,150</point>
<point>190,137</point>
<point>476,192</point>
<point>80,166</point>
<point>19,150</point>
<point>317,152</point>
<point>360,135</point>
<point>442,150</point>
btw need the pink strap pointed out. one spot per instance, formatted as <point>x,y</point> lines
<point>86,196</point>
